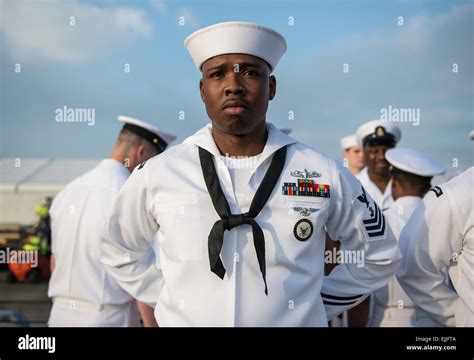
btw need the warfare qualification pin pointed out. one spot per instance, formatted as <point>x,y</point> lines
<point>303,229</point>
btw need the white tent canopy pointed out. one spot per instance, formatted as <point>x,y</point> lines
<point>26,182</point>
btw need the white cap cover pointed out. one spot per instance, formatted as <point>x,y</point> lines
<point>236,38</point>
<point>148,131</point>
<point>414,162</point>
<point>378,130</point>
<point>348,141</point>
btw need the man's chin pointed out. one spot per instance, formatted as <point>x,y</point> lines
<point>234,125</point>
<point>381,170</point>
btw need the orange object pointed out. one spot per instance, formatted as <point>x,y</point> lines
<point>20,271</point>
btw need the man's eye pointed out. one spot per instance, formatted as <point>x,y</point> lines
<point>216,74</point>
<point>250,73</point>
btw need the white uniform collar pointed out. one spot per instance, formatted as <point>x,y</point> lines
<point>112,163</point>
<point>406,200</point>
<point>275,140</point>
<point>362,173</point>
<point>385,199</point>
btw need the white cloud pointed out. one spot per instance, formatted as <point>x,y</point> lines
<point>159,5</point>
<point>36,31</point>
<point>127,19</point>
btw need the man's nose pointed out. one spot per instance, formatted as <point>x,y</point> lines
<point>380,155</point>
<point>234,85</point>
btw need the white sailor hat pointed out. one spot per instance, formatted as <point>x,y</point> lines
<point>377,132</point>
<point>348,141</point>
<point>147,131</point>
<point>414,162</point>
<point>236,38</point>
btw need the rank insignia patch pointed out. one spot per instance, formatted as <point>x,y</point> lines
<point>375,225</point>
<point>305,187</point>
<point>303,230</point>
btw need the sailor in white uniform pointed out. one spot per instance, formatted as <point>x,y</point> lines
<point>241,209</point>
<point>376,137</point>
<point>352,154</point>
<point>412,172</point>
<point>437,271</point>
<point>83,293</point>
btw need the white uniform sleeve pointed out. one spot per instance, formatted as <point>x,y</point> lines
<point>55,211</point>
<point>127,254</point>
<point>53,223</point>
<point>367,244</point>
<point>429,243</point>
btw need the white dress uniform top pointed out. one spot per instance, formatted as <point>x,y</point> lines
<point>391,305</point>
<point>178,206</point>
<point>385,199</point>
<point>370,130</point>
<point>437,271</point>
<point>83,293</point>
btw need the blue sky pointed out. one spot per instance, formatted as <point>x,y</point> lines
<point>81,66</point>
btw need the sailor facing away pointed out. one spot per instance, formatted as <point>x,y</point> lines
<point>412,172</point>
<point>241,209</point>
<point>437,271</point>
<point>83,293</point>
<point>376,137</point>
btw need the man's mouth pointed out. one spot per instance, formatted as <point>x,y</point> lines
<point>234,110</point>
<point>234,107</point>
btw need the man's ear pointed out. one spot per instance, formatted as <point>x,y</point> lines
<point>272,86</point>
<point>201,91</point>
<point>140,150</point>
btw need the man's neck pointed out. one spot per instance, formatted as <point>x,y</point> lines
<point>117,155</point>
<point>380,180</point>
<point>354,170</point>
<point>250,144</point>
